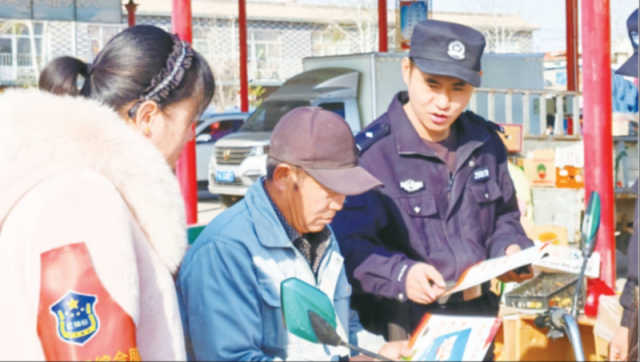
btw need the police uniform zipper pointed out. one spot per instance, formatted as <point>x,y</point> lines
<point>449,186</point>
<point>445,222</point>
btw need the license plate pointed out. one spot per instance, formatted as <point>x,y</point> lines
<point>226,176</point>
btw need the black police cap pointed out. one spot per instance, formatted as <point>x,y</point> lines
<point>443,48</point>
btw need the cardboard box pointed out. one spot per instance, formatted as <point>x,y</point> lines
<point>609,314</point>
<point>569,177</point>
<point>540,168</point>
<point>624,124</point>
<point>555,234</point>
<point>512,137</point>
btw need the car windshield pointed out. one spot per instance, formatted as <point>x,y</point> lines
<point>264,119</point>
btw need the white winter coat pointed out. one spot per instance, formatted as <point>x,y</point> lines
<point>74,172</point>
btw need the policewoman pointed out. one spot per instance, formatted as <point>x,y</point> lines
<point>447,202</point>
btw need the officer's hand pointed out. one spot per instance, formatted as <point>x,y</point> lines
<point>619,346</point>
<point>512,276</point>
<point>424,283</point>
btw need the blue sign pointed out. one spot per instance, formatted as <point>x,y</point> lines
<point>411,13</point>
<point>76,317</point>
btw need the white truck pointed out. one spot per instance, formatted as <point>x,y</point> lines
<point>359,87</point>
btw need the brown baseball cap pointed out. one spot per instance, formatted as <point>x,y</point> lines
<point>320,142</point>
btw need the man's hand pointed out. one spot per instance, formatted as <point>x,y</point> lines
<point>392,350</point>
<point>619,346</point>
<point>424,283</point>
<point>512,276</point>
<point>395,350</point>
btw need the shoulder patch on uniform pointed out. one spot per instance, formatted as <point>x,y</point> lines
<point>494,126</point>
<point>368,137</point>
<point>76,318</point>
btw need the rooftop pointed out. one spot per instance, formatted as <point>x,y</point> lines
<point>294,11</point>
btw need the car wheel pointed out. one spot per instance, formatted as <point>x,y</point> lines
<point>228,200</point>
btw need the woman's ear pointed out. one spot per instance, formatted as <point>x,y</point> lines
<point>145,115</point>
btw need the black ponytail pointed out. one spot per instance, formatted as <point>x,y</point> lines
<point>140,63</point>
<point>60,76</point>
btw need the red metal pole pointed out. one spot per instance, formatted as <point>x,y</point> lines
<point>186,166</point>
<point>572,44</point>
<point>131,13</point>
<point>598,142</point>
<point>244,79</point>
<point>382,26</point>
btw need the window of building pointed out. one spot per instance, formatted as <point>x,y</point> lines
<point>100,34</point>
<point>16,43</point>
<point>265,55</point>
<point>6,57</point>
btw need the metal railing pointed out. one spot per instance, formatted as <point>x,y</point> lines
<point>566,115</point>
<point>6,59</point>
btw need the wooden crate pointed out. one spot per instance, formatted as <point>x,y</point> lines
<point>520,340</point>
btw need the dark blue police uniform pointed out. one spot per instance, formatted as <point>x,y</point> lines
<point>425,213</point>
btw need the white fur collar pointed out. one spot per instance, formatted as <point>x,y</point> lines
<point>42,134</point>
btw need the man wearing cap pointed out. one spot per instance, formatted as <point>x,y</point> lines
<point>229,281</point>
<point>447,201</point>
<point>621,344</point>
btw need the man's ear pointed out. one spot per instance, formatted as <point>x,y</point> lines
<point>283,175</point>
<point>145,115</point>
<point>405,67</point>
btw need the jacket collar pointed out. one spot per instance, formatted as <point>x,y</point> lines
<point>470,132</point>
<point>269,229</point>
<point>407,140</point>
<point>45,140</point>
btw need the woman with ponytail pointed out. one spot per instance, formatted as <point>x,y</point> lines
<point>92,224</point>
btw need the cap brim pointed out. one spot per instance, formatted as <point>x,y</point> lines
<point>346,181</point>
<point>448,68</point>
<point>630,67</point>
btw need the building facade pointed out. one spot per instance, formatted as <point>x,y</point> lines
<point>279,35</point>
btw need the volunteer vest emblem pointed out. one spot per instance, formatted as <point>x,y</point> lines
<point>77,321</point>
<point>411,185</point>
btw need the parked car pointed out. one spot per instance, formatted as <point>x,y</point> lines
<point>209,129</point>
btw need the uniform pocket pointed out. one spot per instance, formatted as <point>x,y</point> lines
<point>274,334</point>
<point>419,206</point>
<point>421,214</point>
<point>485,192</point>
<point>481,210</point>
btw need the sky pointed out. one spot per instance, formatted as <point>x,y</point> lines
<point>548,15</point>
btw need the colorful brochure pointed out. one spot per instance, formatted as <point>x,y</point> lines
<point>453,338</point>
<point>543,256</point>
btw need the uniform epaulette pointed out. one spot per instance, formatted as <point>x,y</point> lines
<point>492,126</point>
<point>370,136</point>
